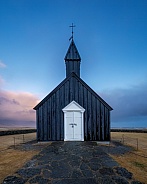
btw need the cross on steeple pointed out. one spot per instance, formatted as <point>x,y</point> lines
<point>72,26</point>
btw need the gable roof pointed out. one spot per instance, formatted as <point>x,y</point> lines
<point>82,82</point>
<point>72,53</point>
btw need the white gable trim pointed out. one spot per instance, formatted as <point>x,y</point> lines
<point>73,106</point>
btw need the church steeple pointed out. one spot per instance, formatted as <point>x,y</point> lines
<point>72,60</point>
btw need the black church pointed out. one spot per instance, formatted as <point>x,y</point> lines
<point>73,111</point>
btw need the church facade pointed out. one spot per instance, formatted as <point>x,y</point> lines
<point>73,111</point>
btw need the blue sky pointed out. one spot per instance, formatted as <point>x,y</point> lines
<point>111,37</point>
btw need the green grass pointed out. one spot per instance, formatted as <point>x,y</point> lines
<point>140,165</point>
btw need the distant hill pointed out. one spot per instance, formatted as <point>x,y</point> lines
<point>137,130</point>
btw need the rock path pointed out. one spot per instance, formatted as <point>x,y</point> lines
<point>72,163</point>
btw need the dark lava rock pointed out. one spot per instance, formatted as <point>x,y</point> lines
<point>75,181</point>
<point>14,180</point>
<point>123,172</point>
<point>95,160</point>
<point>63,170</point>
<point>84,166</point>
<point>105,180</point>
<point>94,166</point>
<point>39,180</point>
<point>87,173</point>
<point>28,173</point>
<point>120,180</point>
<point>77,174</point>
<point>118,149</point>
<point>106,171</point>
<point>46,173</point>
<point>136,182</point>
<point>111,164</point>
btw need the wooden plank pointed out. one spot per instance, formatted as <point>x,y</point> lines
<point>50,119</point>
<point>53,118</point>
<point>71,89</point>
<point>75,66</point>
<point>85,115</point>
<point>99,119</point>
<point>105,123</point>
<point>37,124</point>
<point>41,124</point>
<point>52,125</point>
<point>109,125</point>
<point>67,93</point>
<point>102,122</point>
<point>94,117</point>
<point>45,121</point>
<point>89,117</point>
<point>76,91</point>
<point>81,94</point>
<point>58,128</point>
<point>62,95</point>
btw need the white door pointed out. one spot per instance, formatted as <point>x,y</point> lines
<point>73,125</point>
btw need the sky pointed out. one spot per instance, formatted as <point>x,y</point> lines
<point>111,37</point>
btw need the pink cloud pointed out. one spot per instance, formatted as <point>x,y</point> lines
<point>1,81</point>
<point>17,106</point>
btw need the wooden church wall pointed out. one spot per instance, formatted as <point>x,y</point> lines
<point>70,66</point>
<point>50,118</point>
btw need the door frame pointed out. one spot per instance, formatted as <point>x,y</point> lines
<point>74,107</point>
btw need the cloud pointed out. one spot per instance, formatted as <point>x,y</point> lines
<point>2,65</point>
<point>17,106</point>
<point>130,105</point>
<point>1,81</point>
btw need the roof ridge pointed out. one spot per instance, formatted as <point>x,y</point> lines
<point>73,74</point>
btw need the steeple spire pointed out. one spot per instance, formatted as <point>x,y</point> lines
<point>72,58</point>
<point>72,53</point>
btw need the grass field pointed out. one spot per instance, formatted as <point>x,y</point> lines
<point>16,158</point>
<point>135,161</point>
<point>11,160</point>
<point>131,139</point>
<point>11,140</point>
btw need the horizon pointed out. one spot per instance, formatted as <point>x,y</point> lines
<point>111,38</point>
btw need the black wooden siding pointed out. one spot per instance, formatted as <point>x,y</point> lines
<point>50,117</point>
<point>72,66</point>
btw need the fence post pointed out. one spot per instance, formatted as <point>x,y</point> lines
<point>14,142</point>
<point>23,138</point>
<point>137,144</point>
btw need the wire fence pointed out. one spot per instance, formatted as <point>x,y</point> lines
<point>137,143</point>
<point>11,141</point>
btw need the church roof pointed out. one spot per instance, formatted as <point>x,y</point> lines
<point>72,53</point>
<point>82,82</point>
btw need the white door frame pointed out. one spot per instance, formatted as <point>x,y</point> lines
<point>73,107</point>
